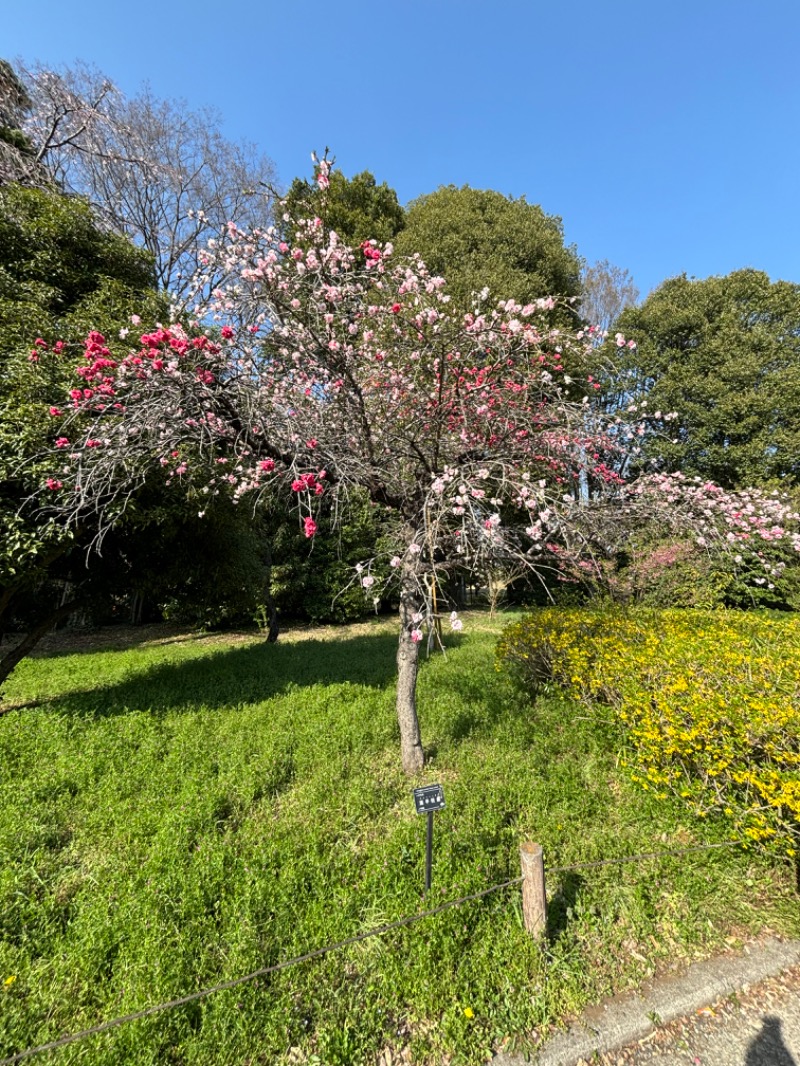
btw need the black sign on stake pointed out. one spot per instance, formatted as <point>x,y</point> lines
<point>428,799</point>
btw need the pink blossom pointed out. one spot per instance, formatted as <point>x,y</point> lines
<point>62,442</point>
<point>416,635</point>
<point>54,484</point>
<point>309,526</point>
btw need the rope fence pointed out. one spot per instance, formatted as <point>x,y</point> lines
<point>534,908</point>
<point>637,858</point>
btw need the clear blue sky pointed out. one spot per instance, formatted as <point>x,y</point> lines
<point>665,134</point>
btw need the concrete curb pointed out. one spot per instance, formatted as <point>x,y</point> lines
<point>626,1019</point>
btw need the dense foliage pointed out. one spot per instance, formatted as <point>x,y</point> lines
<point>480,238</point>
<point>724,354</point>
<point>708,702</point>
<point>357,208</point>
<point>58,274</point>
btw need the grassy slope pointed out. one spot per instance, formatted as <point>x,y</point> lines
<point>178,813</point>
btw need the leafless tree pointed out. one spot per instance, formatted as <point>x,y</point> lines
<point>607,291</point>
<point>155,170</point>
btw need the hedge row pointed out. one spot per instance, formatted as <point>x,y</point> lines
<point>709,701</point>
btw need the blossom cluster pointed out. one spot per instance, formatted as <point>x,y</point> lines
<point>316,369</point>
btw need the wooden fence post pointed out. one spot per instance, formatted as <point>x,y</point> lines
<point>534,899</point>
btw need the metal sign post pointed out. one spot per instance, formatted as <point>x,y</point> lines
<point>428,799</point>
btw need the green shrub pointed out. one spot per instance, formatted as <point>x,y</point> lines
<point>709,700</point>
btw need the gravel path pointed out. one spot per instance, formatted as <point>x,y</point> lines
<point>759,1026</point>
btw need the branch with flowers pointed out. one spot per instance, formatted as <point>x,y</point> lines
<point>739,547</point>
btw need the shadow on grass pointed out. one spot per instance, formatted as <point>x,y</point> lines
<point>241,675</point>
<point>64,643</point>
<point>561,907</point>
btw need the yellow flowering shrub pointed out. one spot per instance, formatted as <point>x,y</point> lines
<point>710,701</point>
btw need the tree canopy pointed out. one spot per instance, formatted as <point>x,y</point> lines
<point>724,354</point>
<point>59,274</point>
<point>479,239</point>
<point>357,208</point>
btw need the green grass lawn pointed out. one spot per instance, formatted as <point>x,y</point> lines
<point>184,810</point>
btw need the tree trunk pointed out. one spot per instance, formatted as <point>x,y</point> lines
<point>32,638</point>
<point>273,630</point>
<point>5,599</point>
<point>407,667</point>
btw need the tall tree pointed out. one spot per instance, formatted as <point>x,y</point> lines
<point>157,171</point>
<point>479,239</point>
<point>724,354</point>
<point>58,274</point>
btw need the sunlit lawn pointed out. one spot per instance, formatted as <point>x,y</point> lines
<point>184,810</point>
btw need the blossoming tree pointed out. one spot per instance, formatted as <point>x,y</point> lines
<point>671,540</point>
<point>322,369</point>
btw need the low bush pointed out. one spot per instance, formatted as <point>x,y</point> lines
<point>709,700</point>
